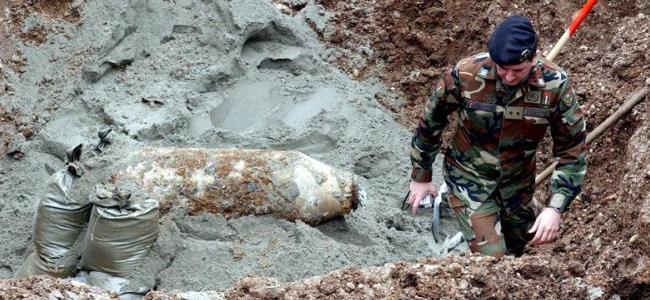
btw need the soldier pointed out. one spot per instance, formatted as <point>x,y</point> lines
<point>505,99</point>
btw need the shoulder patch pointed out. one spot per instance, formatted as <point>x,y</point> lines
<point>473,63</point>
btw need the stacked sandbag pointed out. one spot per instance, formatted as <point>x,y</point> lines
<point>58,222</point>
<point>120,232</point>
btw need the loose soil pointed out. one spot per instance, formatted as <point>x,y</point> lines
<point>409,44</point>
<point>46,287</point>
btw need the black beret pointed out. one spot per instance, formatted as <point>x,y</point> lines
<point>513,41</point>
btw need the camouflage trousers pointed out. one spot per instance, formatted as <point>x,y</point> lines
<point>489,229</point>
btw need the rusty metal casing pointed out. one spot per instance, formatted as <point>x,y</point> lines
<point>237,182</point>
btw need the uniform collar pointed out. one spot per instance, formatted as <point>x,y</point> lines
<point>489,71</point>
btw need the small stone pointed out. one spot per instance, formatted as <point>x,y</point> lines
<point>17,142</point>
<point>18,155</point>
<point>576,269</point>
<point>283,8</point>
<point>70,295</point>
<point>597,243</point>
<point>27,131</point>
<point>609,198</point>
<point>463,284</point>
<point>55,294</point>
<point>350,286</point>
<point>454,268</point>
<point>269,292</point>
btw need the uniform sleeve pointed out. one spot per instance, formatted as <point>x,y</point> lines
<point>569,134</point>
<point>428,134</point>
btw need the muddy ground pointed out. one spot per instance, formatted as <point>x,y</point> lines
<point>402,46</point>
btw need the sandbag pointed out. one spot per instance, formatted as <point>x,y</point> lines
<point>58,222</point>
<point>34,265</point>
<point>126,289</point>
<point>120,234</point>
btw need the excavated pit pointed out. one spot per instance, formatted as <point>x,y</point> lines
<point>342,81</point>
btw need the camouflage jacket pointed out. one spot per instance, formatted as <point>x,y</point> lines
<point>498,135</point>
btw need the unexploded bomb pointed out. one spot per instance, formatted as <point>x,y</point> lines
<point>236,182</point>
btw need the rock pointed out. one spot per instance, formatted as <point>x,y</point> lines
<point>454,268</point>
<point>17,147</point>
<point>463,284</point>
<point>597,243</point>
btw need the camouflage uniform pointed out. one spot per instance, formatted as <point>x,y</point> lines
<point>490,163</point>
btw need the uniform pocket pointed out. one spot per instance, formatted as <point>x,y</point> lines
<point>480,115</point>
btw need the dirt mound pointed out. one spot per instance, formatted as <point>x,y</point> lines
<point>45,287</point>
<point>603,252</point>
<point>472,277</point>
<point>408,45</point>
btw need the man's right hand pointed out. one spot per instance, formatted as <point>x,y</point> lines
<point>418,191</point>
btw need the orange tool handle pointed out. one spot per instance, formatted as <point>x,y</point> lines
<point>581,15</point>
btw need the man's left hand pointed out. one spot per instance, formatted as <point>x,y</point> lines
<point>546,227</point>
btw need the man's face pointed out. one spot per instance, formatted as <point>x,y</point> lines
<point>512,75</point>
